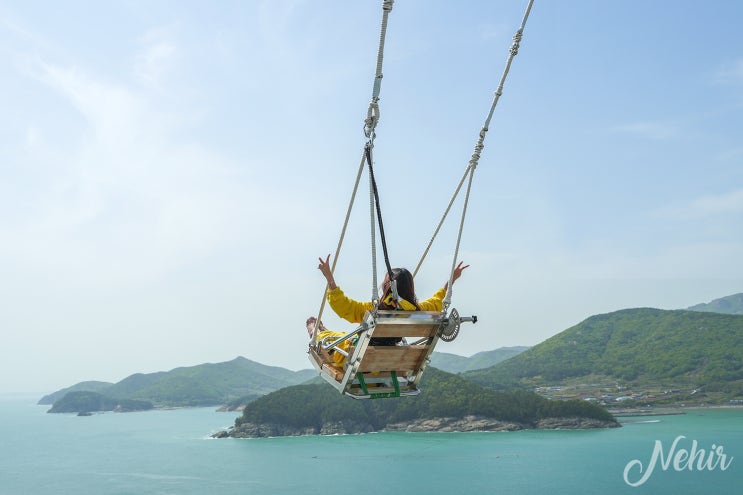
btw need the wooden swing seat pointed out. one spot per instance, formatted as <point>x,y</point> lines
<point>377,371</point>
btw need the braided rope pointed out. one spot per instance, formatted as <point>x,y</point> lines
<point>370,124</point>
<point>372,114</point>
<point>441,221</point>
<point>475,158</point>
<point>372,224</point>
<point>447,299</point>
<point>512,52</point>
<point>340,242</point>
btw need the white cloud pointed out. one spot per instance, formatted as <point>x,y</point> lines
<point>19,34</point>
<point>132,201</point>
<point>33,137</point>
<point>157,58</point>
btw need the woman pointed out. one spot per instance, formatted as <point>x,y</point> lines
<point>323,333</point>
<point>353,311</point>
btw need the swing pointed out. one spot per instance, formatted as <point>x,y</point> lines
<point>370,370</point>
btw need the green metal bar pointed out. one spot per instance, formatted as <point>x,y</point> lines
<point>360,376</point>
<point>380,395</point>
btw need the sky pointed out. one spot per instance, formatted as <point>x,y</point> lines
<point>170,172</point>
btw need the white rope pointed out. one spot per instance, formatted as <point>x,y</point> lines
<point>447,299</point>
<point>340,243</point>
<point>511,54</point>
<point>370,125</point>
<point>372,118</point>
<point>372,114</point>
<point>373,224</point>
<point>441,221</point>
<point>474,160</point>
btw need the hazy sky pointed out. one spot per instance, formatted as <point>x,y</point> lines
<point>170,171</point>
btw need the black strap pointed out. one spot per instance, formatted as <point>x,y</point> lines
<point>367,150</point>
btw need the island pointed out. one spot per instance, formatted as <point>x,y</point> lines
<point>84,403</point>
<point>447,402</point>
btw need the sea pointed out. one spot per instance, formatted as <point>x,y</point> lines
<point>172,452</point>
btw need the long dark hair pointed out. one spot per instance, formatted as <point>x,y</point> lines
<point>405,289</point>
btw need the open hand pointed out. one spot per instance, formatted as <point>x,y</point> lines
<point>324,267</point>
<point>458,271</point>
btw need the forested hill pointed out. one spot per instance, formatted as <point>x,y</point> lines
<point>446,401</point>
<point>634,345</point>
<point>91,386</point>
<point>454,363</point>
<point>238,381</point>
<point>732,305</point>
<point>202,385</point>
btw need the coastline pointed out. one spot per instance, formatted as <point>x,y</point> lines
<point>459,425</point>
<point>630,413</point>
<point>430,425</point>
<point>667,411</point>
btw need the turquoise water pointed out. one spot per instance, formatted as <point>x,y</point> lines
<point>170,452</point>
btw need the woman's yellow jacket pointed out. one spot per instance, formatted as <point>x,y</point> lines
<point>353,311</point>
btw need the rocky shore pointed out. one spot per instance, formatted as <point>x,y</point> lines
<point>466,424</point>
<point>252,430</point>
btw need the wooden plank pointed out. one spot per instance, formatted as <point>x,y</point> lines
<point>315,356</point>
<point>396,314</point>
<point>320,356</point>
<point>386,374</point>
<point>404,330</point>
<point>333,371</point>
<point>326,364</point>
<point>389,358</point>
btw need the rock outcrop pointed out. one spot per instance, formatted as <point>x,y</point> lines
<point>252,430</point>
<point>574,424</point>
<point>466,424</point>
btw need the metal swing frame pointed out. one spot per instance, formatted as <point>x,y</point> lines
<point>384,371</point>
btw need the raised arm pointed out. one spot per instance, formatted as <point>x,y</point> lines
<point>324,267</point>
<point>457,273</point>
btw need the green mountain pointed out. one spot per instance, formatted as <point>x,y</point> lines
<point>82,402</point>
<point>641,349</point>
<point>731,305</point>
<point>203,385</point>
<point>454,363</point>
<point>445,399</point>
<point>91,386</point>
